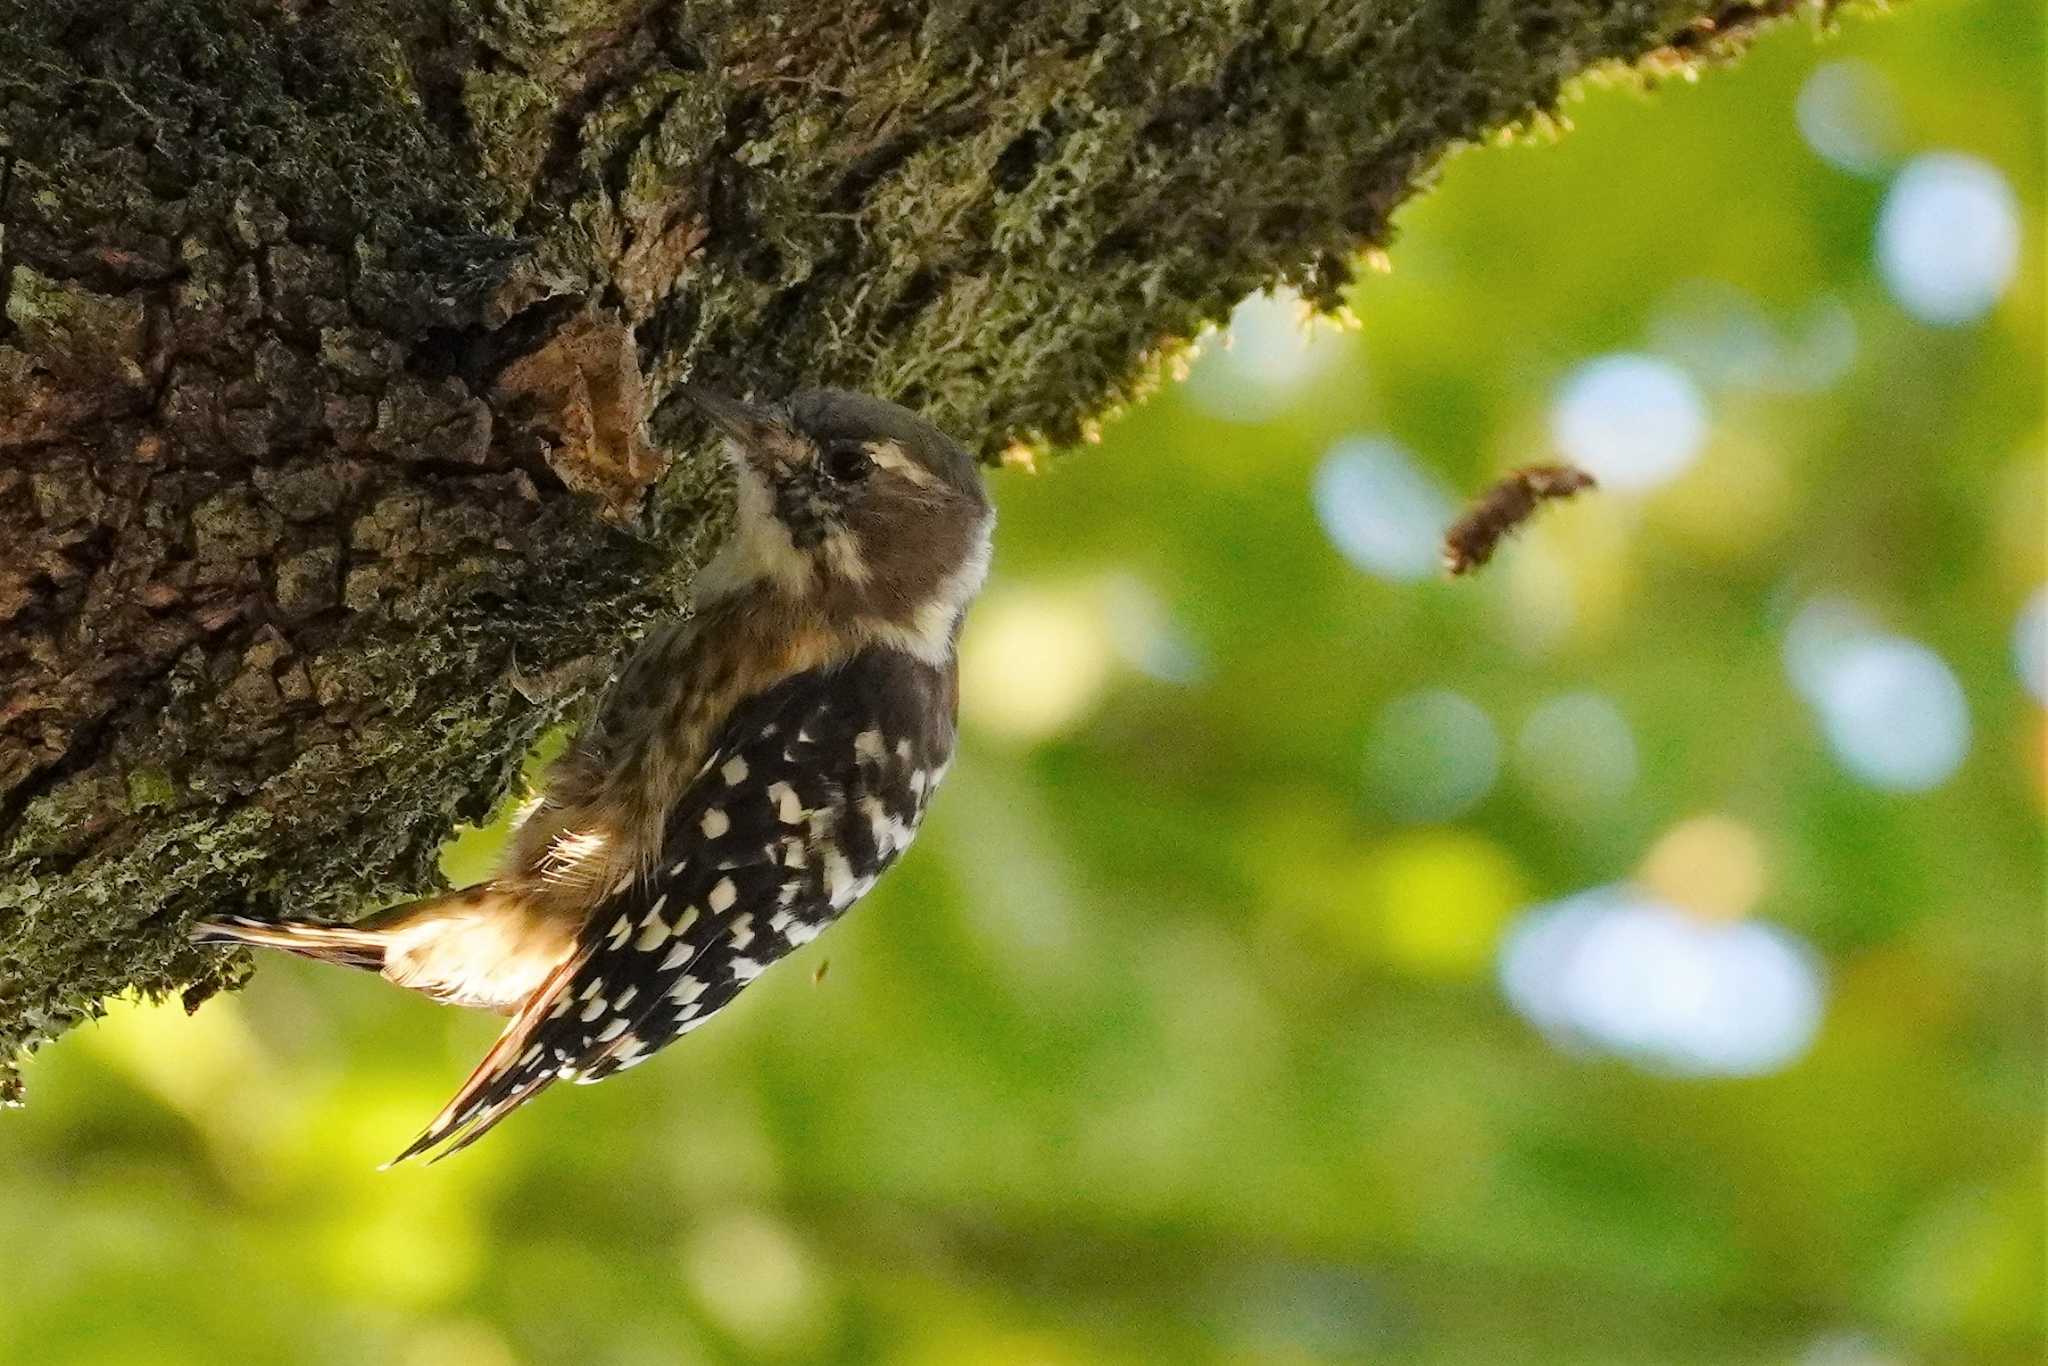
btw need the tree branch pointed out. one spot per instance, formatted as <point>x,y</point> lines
<point>332,466</point>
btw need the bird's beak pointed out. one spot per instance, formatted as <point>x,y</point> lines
<point>757,433</point>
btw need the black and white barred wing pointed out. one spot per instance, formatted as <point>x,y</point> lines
<point>812,790</point>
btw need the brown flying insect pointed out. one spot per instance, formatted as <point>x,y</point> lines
<point>1507,503</point>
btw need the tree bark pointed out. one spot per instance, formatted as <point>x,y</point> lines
<point>333,466</point>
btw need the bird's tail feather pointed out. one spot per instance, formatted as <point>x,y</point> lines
<point>316,939</point>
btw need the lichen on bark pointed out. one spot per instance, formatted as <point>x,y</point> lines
<point>335,337</point>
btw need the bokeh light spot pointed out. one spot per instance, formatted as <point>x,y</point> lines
<point>402,1248</point>
<point>755,1280</point>
<point>1440,898</point>
<point>1431,755</point>
<point>1849,116</point>
<point>1146,636</point>
<point>2030,644</point>
<point>1721,334</point>
<point>1577,753</point>
<point>1890,708</point>
<point>1709,865</point>
<point>1614,971</point>
<point>1820,351</point>
<point>1896,715</point>
<point>1549,579</point>
<point>1270,351</point>
<point>1633,421</point>
<point>1948,238</point>
<point>1381,510</point>
<point>1033,661</point>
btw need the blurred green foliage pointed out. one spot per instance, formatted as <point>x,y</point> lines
<point>1179,1038</point>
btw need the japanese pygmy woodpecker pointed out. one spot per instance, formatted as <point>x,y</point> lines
<point>745,779</point>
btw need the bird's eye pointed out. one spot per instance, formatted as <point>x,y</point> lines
<point>848,463</point>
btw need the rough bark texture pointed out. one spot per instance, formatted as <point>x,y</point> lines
<point>332,463</point>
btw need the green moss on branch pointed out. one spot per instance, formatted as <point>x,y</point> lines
<point>334,339</point>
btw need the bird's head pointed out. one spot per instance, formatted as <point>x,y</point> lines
<point>853,505</point>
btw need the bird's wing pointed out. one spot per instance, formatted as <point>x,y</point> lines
<point>811,790</point>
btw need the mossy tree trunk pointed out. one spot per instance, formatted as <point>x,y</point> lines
<point>333,466</point>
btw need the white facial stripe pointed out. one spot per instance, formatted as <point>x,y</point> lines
<point>759,548</point>
<point>761,553</point>
<point>959,587</point>
<point>895,459</point>
<point>842,552</point>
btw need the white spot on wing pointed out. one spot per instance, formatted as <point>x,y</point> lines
<point>879,825</point>
<point>715,823</point>
<point>734,772</point>
<point>839,880</point>
<point>722,896</point>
